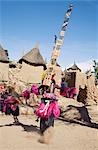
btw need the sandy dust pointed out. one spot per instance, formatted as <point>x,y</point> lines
<point>65,135</point>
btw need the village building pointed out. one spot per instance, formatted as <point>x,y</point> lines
<point>4,65</point>
<point>32,67</point>
<point>84,83</point>
<point>75,77</point>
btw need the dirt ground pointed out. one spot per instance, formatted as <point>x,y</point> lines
<point>65,135</point>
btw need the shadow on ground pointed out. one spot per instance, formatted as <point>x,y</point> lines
<point>72,115</point>
<point>27,128</point>
<point>77,115</point>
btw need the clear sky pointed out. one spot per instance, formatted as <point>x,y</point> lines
<point>24,23</point>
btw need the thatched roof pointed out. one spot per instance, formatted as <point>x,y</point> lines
<point>3,55</point>
<point>33,57</point>
<point>12,64</point>
<point>74,67</point>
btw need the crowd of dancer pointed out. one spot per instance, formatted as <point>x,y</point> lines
<point>48,108</point>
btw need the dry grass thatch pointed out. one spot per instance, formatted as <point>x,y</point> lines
<point>74,67</point>
<point>33,57</point>
<point>3,55</point>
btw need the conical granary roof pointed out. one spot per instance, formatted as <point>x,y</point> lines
<point>33,57</point>
<point>74,67</point>
<point>3,55</point>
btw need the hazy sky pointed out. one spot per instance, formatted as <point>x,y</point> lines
<point>23,23</point>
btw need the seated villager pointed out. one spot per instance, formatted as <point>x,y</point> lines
<point>72,92</point>
<point>69,92</point>
<point>64,88</point>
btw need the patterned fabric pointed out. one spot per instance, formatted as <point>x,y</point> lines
<point>64,27</point>
<point>45,111</point>
<point>56,49</point>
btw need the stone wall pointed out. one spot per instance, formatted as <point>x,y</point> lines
<point>30,74</point>
<point>81,80</point>
<point>4,71</point>
<point>92,91</point>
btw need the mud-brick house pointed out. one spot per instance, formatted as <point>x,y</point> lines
<point>32,66</point>
<point>4,65</point>
<point>87,92</point>
<point>75,77</point>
